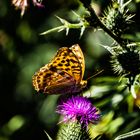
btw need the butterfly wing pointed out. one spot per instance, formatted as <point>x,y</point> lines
<point>67,60</point>
<point>80,57</point>
<point>63,74</point>
<point>51,82</point>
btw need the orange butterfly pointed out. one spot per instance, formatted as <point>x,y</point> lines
<point>64,73</point>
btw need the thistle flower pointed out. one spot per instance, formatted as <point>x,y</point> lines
<point>116,18</point>
<point>20,4</point>
<point>38,3</point>
<point>23,4</point>
<point>73,131</point>
<point>126,62</point>
<point>78,109</point>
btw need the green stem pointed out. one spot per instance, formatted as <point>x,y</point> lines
<point>52,30</point>
<point>129,134</point>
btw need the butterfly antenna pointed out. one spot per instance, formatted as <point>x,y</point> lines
<point>95,74</point>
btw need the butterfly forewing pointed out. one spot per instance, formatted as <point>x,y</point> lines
<point>67,61</point>
<point>80,57</point>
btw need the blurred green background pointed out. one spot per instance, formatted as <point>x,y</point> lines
<point>24,114</point>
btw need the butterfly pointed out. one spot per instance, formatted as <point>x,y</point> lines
<point>63,74</point>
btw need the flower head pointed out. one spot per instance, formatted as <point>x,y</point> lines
<point>126,62</point>
<point>23,4</point>
<point>117,18</point>
<point>20,4</point>
<point>78,109</point>
<point>38,3</point>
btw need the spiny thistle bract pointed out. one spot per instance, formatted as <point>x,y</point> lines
<point>126,62</point>
<point>117,19</point>
<point>73,131</point>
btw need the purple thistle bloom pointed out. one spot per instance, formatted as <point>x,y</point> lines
<point>38,3</point>
<point>78,108</point>
<point>23,4</point>
<point>20,4</point>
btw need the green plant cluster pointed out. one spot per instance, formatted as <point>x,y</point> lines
<point>108,33</point>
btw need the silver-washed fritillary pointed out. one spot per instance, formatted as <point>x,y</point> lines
<point>64,73</point>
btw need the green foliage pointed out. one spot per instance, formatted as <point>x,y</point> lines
<point>25,114</point>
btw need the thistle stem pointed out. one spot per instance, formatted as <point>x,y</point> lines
<point>94,17</point>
